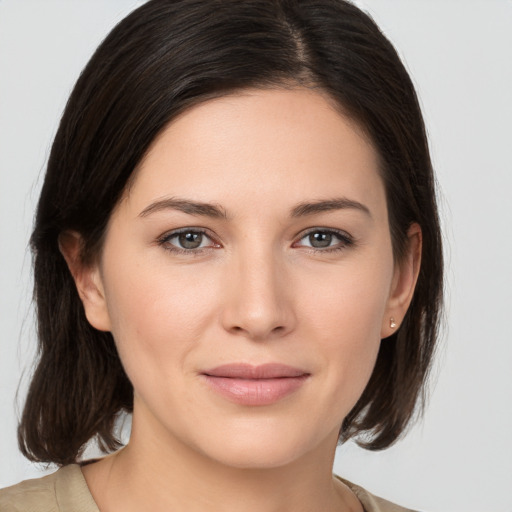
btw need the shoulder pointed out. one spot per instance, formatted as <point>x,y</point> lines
<point>372,503</point>
<point>31,495</point>
<point>63,490</point>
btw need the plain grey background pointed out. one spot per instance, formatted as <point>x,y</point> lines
<point>459,458</point>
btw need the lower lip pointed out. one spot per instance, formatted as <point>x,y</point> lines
<point>255,391</point>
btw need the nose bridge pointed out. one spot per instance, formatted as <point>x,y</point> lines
<point>258,305</point>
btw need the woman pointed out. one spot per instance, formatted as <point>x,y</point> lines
<point>237,242</point>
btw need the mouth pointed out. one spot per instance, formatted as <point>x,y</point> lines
<point>250,385</point>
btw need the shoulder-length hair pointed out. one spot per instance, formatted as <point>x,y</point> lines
<point>160,60</point>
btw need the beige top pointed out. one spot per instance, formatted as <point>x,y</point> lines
<point>66,491</point>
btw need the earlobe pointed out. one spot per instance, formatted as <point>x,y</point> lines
<point>404,283</point>
<point>87,280</point>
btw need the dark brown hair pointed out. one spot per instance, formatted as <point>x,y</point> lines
<point>163,58</point>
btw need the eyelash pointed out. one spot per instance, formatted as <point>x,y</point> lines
<point>164,241</point>
<point>346,241</point>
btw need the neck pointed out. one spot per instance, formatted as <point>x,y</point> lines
<point>154,473</point>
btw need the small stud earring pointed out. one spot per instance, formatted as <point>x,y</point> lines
<point>392,323</point>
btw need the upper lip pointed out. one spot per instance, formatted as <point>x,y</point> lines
<point>249,371</point>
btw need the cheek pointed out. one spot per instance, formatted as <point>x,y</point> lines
<point>345,317</point>
<point>157,313</point>
<point>350,302</point>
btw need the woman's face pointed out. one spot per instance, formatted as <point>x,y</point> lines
<point>247,277</point>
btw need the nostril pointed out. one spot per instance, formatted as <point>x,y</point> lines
<point>258,321</point>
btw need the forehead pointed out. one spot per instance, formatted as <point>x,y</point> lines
<point>257,145</point>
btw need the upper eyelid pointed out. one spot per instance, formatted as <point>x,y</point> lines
<point>178,231</point>
<point>299,235</point>
<point>323,230</point>
<point>343,235</point>
<point>167,236</point>
<point>164,241</point>
<point>338,232</point>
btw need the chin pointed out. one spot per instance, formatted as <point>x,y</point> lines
<point>261,448</point>
<point>260,457</point>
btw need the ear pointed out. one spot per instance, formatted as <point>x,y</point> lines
<point>87,279</point>
<point>403,284</point>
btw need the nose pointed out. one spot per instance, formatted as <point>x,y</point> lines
<point>259,298</point>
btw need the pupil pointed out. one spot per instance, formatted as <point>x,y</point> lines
<point>320,239</point>
<point>190,240</point>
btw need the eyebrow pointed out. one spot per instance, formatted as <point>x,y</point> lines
<point>218,212</point>
<point>342,203</point>
<point>185,206</point>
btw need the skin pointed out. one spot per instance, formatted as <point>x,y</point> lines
<point>256,291</point>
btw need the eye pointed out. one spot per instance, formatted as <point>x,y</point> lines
<point>326,240</point>
<point>187,241</point>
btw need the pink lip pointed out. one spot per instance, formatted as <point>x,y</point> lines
<point>255,385</point>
